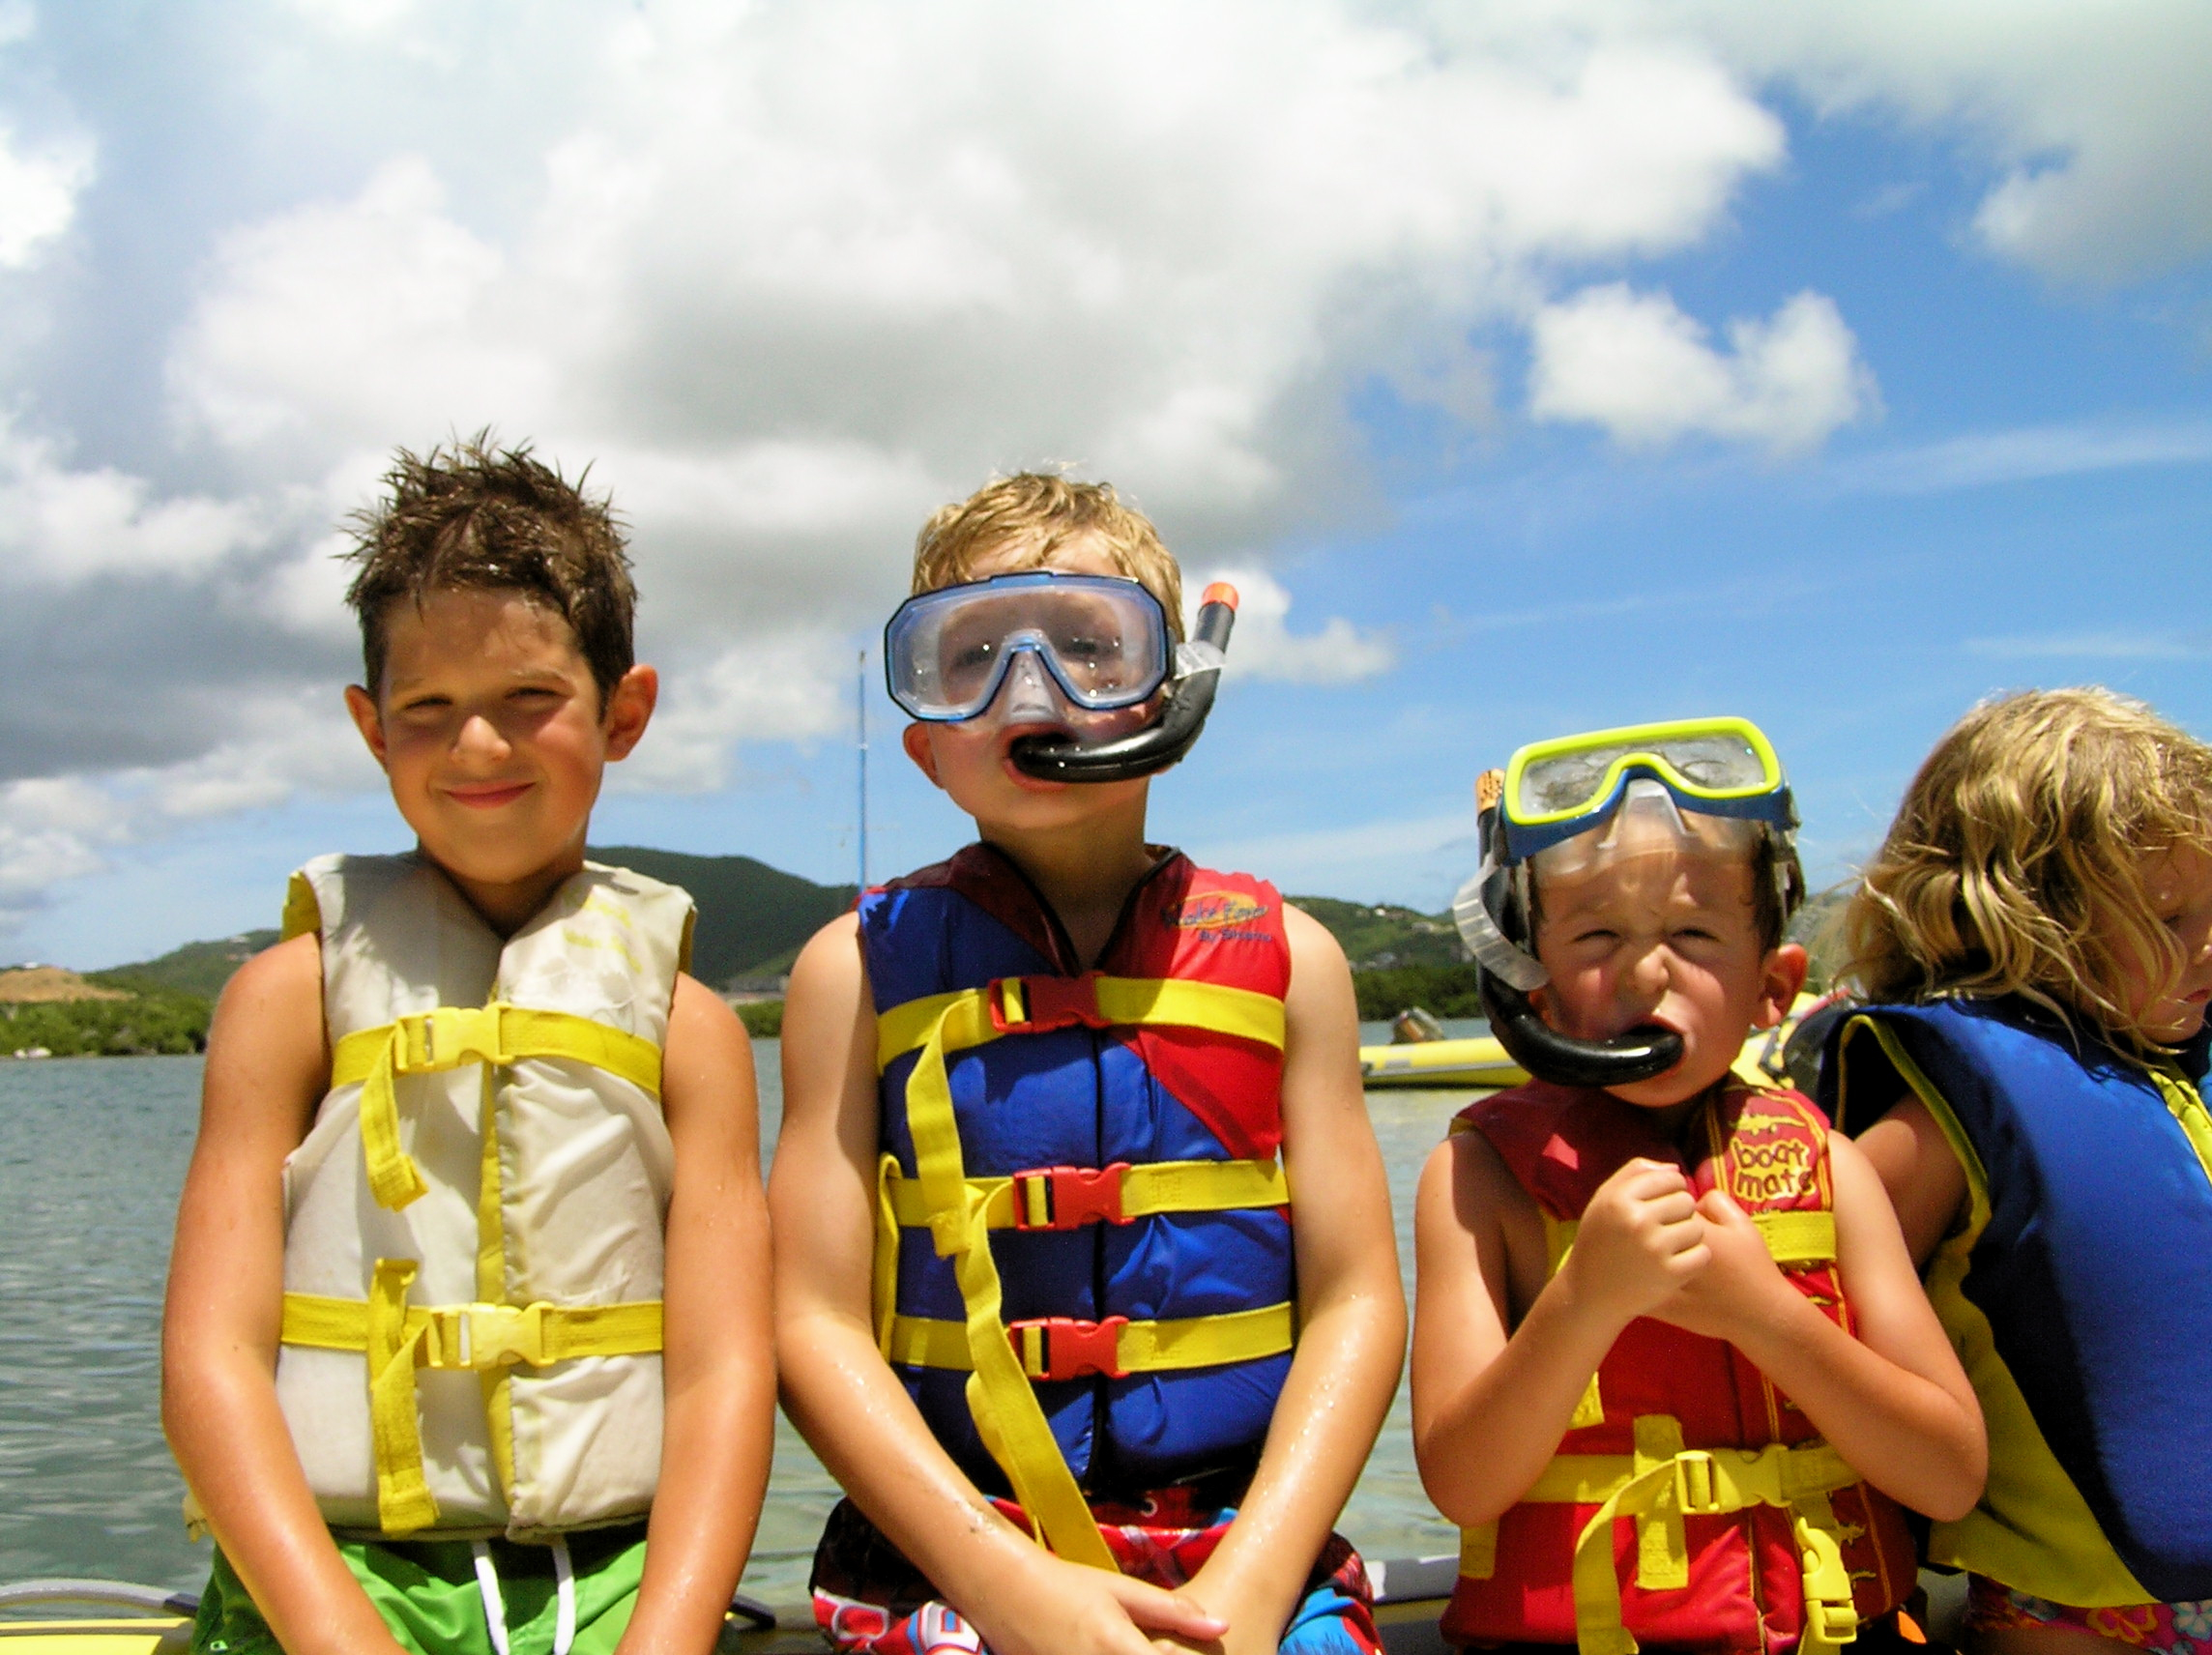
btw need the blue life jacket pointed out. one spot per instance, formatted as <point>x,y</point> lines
<point>1078,1095</point>
<point>2078,1293</point>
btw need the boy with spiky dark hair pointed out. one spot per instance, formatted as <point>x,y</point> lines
<point>467,1343</point>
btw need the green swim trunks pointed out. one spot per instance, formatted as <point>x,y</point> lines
<point>433,1600</point>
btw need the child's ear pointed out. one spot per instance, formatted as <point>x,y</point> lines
<point>368,720</point>
<point>915,741</point>
<point>1784,972</point>
<point>629,710</point>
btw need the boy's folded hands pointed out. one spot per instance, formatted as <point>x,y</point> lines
<point>1646,1246</point>
<point>1640,1241</point>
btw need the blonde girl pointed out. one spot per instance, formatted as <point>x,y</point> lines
<point>2035,940</point>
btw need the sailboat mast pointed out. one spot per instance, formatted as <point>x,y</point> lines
<point>860,707</point>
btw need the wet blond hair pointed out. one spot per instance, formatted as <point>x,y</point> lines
<point>1036,514</point>
<point>2015,862</point>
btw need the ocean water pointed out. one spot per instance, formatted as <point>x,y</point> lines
<point>91,1155</point>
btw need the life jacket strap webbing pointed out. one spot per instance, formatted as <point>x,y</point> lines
<point>428,1042</point>
<point>1062,1348</point>
<point>398,1338</point>
<point>1001,1400</point>
<point>1060,1197</point>
<point>1661,1485</point>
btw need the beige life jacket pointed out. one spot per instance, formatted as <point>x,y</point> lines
<point>474,1226</point>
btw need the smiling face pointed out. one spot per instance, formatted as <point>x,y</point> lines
<point>488,725</point>
<point>2178,883</point>
<point>973,761</point>
<point>1660,933</point>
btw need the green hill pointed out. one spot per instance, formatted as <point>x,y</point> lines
<point>1382,936</point>
<point>752,917</point>
<point>197,969</point>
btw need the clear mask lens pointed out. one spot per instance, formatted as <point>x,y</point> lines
<point>1647,823</point>
<point>1104,642</point>
<point>1567,782</point>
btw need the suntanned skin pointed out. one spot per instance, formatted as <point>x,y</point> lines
<point>1083,846</point>
<point>490,728</point>
<point>1922,1175</point>
<point>1502,1357</point>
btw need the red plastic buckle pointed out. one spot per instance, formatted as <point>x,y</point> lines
<point>1046,1004</point>
<point>1073,1197</point>
<point>1064,1348</point>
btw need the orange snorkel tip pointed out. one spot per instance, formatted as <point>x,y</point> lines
<point>1219,591</point>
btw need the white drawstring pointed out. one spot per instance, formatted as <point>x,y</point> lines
<point>564,1596</point>
<point>487,1587</point>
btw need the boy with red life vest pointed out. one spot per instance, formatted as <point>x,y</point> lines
<point>1671,1365</point>
<point>1086,1285</point>
<point>468,1343</point>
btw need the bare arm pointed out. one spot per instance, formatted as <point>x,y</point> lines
<point>1921,1171</point>
<point>1352,1311</point>
<point>844,1397</point>
<point>1893,1401</point>
<point>718,1366</point>
<point>267,1068</point>
<point>1488,1406</point>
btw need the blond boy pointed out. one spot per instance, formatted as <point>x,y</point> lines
<point>1086,1282</point>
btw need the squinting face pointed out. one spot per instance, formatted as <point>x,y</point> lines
<point>2180,885</point>
<point>973,761</point>
<point>488,725</point>
<point>1660,935</point>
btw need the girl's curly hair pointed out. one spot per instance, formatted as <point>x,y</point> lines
<point>2015,862</point>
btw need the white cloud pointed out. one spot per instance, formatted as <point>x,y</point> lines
<point>792,687</point>
<point>39,189</point>
<point>2104,646</point>
<point>1636,364</point>
<point>58,524</point>
<point>1419,859</point>
<point>1263,646</point>
<point>2092,118</point>
<point>1985,457</point>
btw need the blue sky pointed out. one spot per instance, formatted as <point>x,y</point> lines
<point>1537,369</point>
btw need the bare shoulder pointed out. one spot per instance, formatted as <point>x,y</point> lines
<point>830,959</point>
<point>701,1024</point>
<point>1466,1190</point>
<point>1312,945</point>
<point>707,1063</point>
<point>273,1002</point>
<point>1478,1178</point>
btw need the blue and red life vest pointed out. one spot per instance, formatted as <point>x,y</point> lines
<point>1690,1503</point>
<point>1123,1153</point>
<point>2076,1291</point>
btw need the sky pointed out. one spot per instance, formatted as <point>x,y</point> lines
<point>1530,369</point>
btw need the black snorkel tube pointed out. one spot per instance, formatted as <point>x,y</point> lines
<point>1496,933</point>
<point>1189,699</point>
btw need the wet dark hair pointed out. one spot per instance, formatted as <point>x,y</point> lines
<point>467,516</point>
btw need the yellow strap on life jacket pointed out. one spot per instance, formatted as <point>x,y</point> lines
<point>427,1042</point>
<point>1133,1347</point>
<point>1024,1201</point>
<point>1000,1398</point>
<point>397,1338</point>
<point>1804,1238</point>
<point>1662,1484</point>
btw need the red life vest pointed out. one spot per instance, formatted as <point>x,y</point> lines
<point>1729,1513</point>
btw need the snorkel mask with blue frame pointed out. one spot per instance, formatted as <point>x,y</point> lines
<point>1560,807</point>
